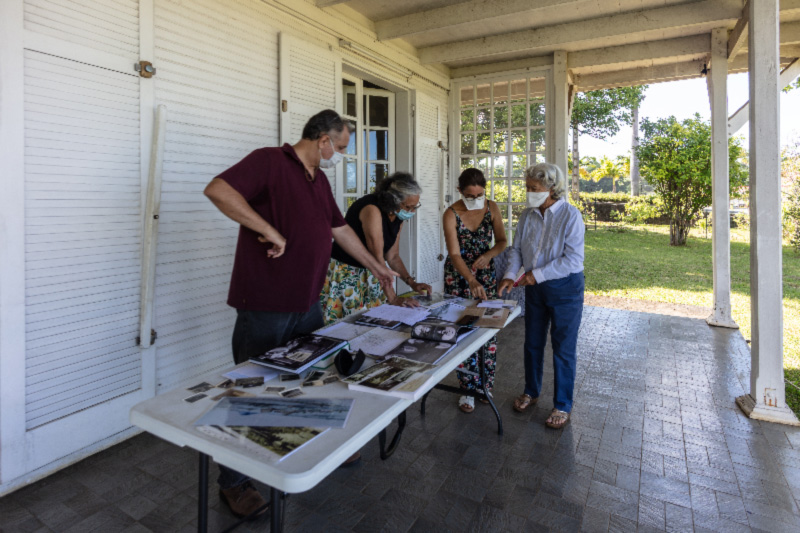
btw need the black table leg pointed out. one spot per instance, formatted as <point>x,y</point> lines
<point>482,366</point>
<point>202,496</point>
<point>276,525</point>
<point>422,405</point>
<point>387,452</point>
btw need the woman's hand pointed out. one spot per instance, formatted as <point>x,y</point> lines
<point>477,290</point>
<point>405,302</point>
<point>421,288</point>
<point>504,286</point>
<point>481,263</point>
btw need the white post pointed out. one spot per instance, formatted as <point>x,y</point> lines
<point>13,452</point>
<point>721,235</point>
<point>767,398</point>
<point>560,111</point>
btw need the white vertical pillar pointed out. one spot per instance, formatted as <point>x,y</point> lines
<point>721,235</point>
<point>767,398</point>
<point>12,243</point>
<point>560,111</point>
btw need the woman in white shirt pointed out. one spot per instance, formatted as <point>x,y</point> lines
<point>548,247</point>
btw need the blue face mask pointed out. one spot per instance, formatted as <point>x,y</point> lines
<point>404,215</point>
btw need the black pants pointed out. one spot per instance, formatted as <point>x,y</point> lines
<point>256,332</point>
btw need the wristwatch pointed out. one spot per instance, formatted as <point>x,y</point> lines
<point>409,280</point>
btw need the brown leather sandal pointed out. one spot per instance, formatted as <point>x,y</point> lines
<point>523,401</point>
<point>557,419</point>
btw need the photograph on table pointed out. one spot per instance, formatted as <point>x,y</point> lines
<point>271,411</point>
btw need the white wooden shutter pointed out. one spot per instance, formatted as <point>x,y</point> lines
<point>310,81</point>
<point>82,206</point>
<point>428,133</point>
<point>217,75</point>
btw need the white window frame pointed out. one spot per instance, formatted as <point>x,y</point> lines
<point>455,122</point>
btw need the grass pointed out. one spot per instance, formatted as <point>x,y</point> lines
<point>638,263</point>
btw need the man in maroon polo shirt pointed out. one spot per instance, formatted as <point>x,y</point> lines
<point>288,217</point>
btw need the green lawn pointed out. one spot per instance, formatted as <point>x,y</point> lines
<point>638,263</point>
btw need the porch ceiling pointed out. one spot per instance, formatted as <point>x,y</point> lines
<point>610,43</point>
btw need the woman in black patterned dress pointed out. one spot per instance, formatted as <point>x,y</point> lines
<point>469,225</point>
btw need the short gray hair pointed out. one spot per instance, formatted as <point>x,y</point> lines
<point>550,176</point>
<point>394,190</point>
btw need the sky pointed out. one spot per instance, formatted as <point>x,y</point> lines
<point>687,97</point>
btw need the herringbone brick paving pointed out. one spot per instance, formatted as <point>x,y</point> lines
<point>656,443</point>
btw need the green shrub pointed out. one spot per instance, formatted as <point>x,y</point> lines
<point>619,197</point>
<point>643,208</point>
<point>791,216</point>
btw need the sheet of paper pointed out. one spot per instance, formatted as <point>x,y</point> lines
<point>498,304</point>
<point>344,330</point>
<point>448,312</point>
<point>270,411</point>
<point>406,315</point>
<point>378,341</point>
<point>251,371</point>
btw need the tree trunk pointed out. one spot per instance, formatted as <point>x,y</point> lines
<point>678,232</point>
<point>613,184</point>
<point>576,164</point>
<point>635,180</point>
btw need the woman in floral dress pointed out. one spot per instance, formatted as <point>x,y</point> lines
<point>377,219</point>
<point>469,225</point>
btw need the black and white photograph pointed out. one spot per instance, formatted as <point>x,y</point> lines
<point>299,353</point>
<point>292,393</point>
<point>270,411</point>
<point>281,440</point>
<point>201,387</point>
<point>422,350</point>
<point>196,397</point>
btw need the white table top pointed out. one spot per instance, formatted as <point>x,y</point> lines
<point>170,418</point>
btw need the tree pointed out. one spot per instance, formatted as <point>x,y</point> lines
<point>675,158</point>
<point>599,114</point>
<point>608,169</point>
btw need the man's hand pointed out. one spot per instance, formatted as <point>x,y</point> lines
<point>422,288</point>
<point>505,285</point>
<point>477,290</point>
<point>481,263</point>
<point>527,279</point>
<point>276,239</point>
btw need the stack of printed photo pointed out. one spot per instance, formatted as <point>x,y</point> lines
<point>394,377</point>
<point>300,353</point>
<point>430,341</point>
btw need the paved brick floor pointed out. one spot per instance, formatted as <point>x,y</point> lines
<point>655,444</point>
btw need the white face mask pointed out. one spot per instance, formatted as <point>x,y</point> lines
<point>474,203</point>
<point>335,159</point>
<point>536,199</point>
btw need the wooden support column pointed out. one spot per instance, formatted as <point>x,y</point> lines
<point>717,81</point>
<point>767,397</point>
<point>560,111</point>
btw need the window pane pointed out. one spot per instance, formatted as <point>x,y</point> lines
<point>351,146</point>
<point>348,201</point>
<point>483,91</point>
<point>351,184</point>
<point>537,141</point>
<point>483,143</point>
<point>375,172</point>
<point>534,159</point>
<point>518,117</point>
<point>378,145</point>
<point>538,88</point>
<point>467,162</point>
<point>500,190</point>
<point>516,211</point>
<point>499,167</point>
<point>378,111</point>
<point>467,119</point>
<point>518,191</point>
<point>500,117</point>
<point>466,143</point>
<point>517,166</point>
<point>519,141</point>
<point>483,118</point>
<point>537,112</point>
<point>500,93</point>
<point>518,91</point>
<point>504,210</point>
<point>482,164</point>
<point>499,142</point>
<point>349,90</point>
<point>467,96</point>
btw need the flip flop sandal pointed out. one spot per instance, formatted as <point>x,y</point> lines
<point>466,404</point>
<point>523,401</point>
<point>484,399</point>
<point>559,419</point>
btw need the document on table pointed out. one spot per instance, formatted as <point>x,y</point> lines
<point>498,304</point>
<point>378,341</point>
<point>447,311</point>
<point>406,315</point>
<point>251,371</point>
<point>344,330</point>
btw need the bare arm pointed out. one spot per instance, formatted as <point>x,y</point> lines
<point>454,251</point>
<point>350,243</point>
<point>234,206</point>
<point>499,238</point>
<point>396,263</point>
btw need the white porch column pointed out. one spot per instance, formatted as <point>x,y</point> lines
<point>767,398</point>
<point>560,111</point>
<point>717,81</point>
